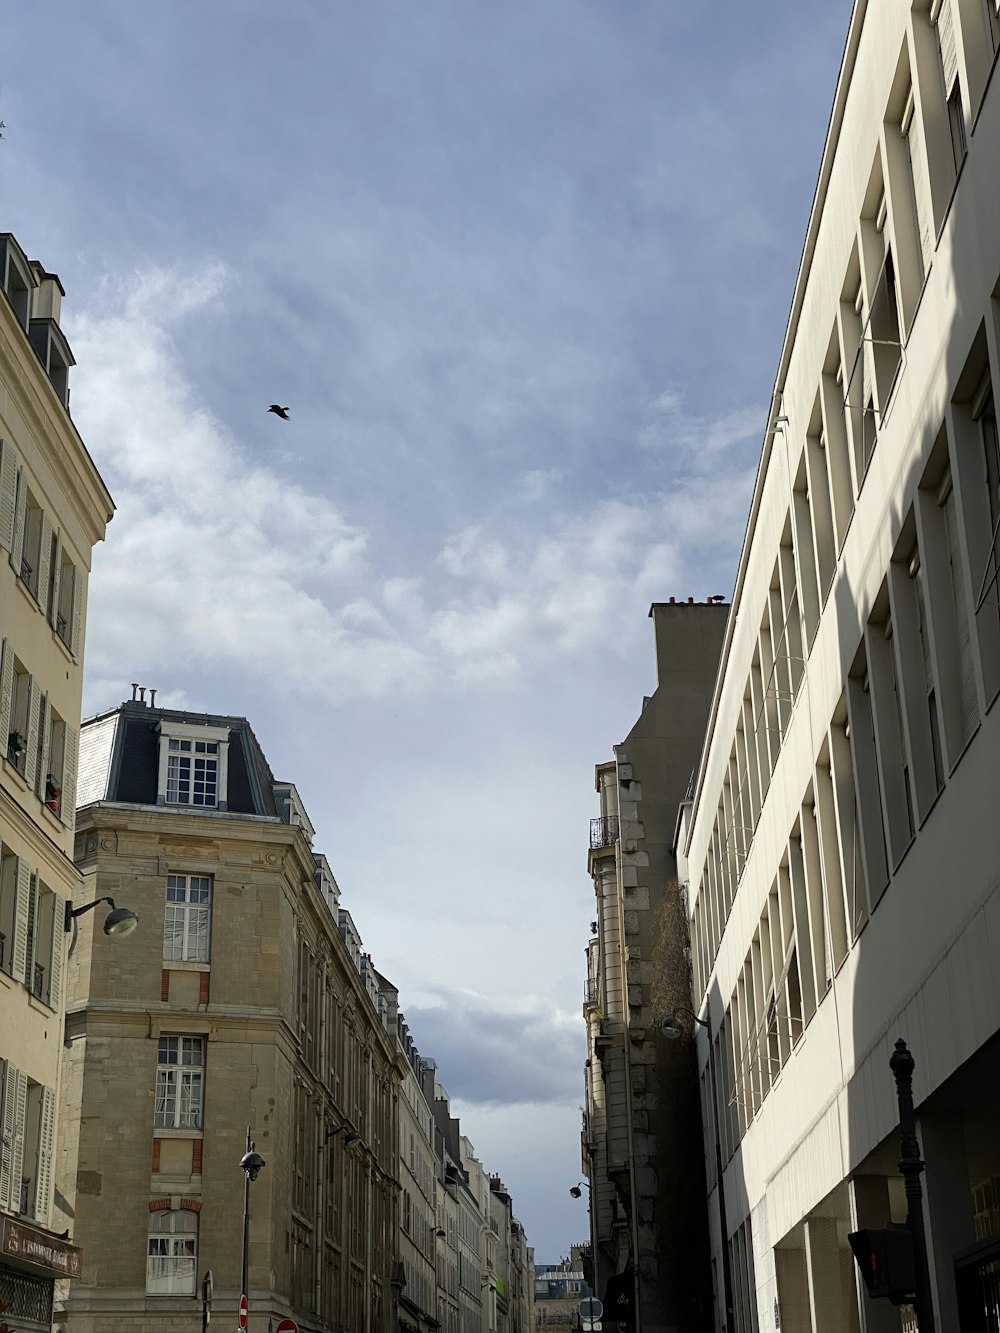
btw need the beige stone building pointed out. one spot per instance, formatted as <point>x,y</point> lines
<point>641,1134</point>
<point>54,507</point>
<point>844,846</point>
<point>245,998</point>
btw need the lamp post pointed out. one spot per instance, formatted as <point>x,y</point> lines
<point>577,1190</point>
<point>673,1028</point>
<point>251,1163</point>
<point>911,1166</point>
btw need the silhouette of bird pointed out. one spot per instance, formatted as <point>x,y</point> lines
<point>279,411</point>
<point>64,1235</point>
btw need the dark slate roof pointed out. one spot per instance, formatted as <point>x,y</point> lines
<point>119,753</point>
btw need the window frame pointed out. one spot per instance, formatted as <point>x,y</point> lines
<point>175,734</point>
<point>173,1236</point>
<point>174,1078</point>
<point>191,913</point>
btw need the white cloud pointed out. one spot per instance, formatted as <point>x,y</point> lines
<point>243,565</point>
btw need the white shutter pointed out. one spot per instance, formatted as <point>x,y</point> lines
<point>46,750</point>
<point>6,692</point>
<point>68,806</point>
<point>22,906</point>
<point>44,563</point>
<point>31,757</point>
<point>8,494</point>
<point>56,961</point>
<point>8,1102</point>
<point>20,508</point>
<point>43,1170</point>
<point>949,47</point>
<point>970,705</point>
<point>74,641</point>
<point>56,581</point>
<point>913,132</point>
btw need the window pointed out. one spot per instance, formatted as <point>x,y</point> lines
<point>192,772</point>
<point>187,918</point>
<point>193,765</point>
<point>31,544</point>
<point>19,716</point>
<point>172,1263</point>
<point>180,1083</point>
<point>66,599</point>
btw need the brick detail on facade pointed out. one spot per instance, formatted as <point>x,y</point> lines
<point>197,1146</point>
<point>165,985</point>
<point>159,1205</point>
<point>204,985</point>
<point>156,1156</point>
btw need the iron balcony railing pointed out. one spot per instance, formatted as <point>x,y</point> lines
<point>591,992</point>
<point>604,831</point>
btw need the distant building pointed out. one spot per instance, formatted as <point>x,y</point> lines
<point>559,1289</point>
<point>843,847</point>
<point>54,508</point>
<point>642,1149</point>
<point>244,998</point>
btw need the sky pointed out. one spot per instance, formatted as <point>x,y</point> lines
<point>521,273</point>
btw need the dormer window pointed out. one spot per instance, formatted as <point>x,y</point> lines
<point>193,765</point>
<point>16,278</point>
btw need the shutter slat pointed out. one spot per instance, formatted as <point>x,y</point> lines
<point>22,904</point>
<point>31,757</point>
<point>8,494</point>
<point>43,1171</point>
<point>914,135</point>
<point>68,806</point>
<point>20,509</point>
<point>74,642</point>
<point>17,1154</point>
<point>8,1077</point>
<point>948,45</point>
<point>56,961</point>
<point>6,692</point>
<point>56,580</point>
<point>44,563</point>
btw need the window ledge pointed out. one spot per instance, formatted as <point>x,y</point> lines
<point>66,649</point>
<point>163,1132</point>
<point>185,965</point>
<point>42,1006</point>
<point>32,599</point>
<point>9,767</point>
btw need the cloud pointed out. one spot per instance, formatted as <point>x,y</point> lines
<point>500,1052</point>
<point>237,562</point>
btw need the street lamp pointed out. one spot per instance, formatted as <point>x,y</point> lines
<point>672,1028</point>
<point>577,1190</point>
<point>250,1163</point>
<point>119,921</point>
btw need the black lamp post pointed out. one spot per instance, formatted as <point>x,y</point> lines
<point>577,1190</point>
<point>911,1167</point>
<point>672,1028</point>
<point>251,1163</point>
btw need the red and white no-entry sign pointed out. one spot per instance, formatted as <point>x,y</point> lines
<point>243,1312</point>
<point>287,1326</point>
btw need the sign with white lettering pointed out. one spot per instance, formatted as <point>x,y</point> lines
<point>38,1250</point>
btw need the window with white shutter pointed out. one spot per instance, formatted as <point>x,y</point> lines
<point>14,1093</point>
<point>8,494</point>
<point>22,913</point>
<point>43,1166</point>
<point>912,129</point>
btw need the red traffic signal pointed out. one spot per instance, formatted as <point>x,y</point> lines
<point>885,1256</point>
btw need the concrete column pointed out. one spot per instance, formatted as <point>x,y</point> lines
<point>947,1207</point>
<point>793,1289</point>
<point>832,1299</point>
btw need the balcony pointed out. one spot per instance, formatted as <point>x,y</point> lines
<point>591,992</point>
<point>603,832</point>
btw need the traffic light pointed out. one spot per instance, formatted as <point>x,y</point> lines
<point>885,1256</point>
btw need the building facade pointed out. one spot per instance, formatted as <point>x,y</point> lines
<point>843,849</point>
<point>641,1133</point>
<point>245,998</point>
<point>54,508</point>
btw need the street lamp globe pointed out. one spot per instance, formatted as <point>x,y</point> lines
<point>251,1162</point>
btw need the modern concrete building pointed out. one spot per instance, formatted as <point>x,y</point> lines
<point>54,507</point>
<point>244,998</point>
<point>641,1134</point>
<point>843,846</point>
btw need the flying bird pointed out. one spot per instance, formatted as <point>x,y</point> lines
<point>279,411</point>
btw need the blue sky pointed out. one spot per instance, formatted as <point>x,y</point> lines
<point>521,272</point>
